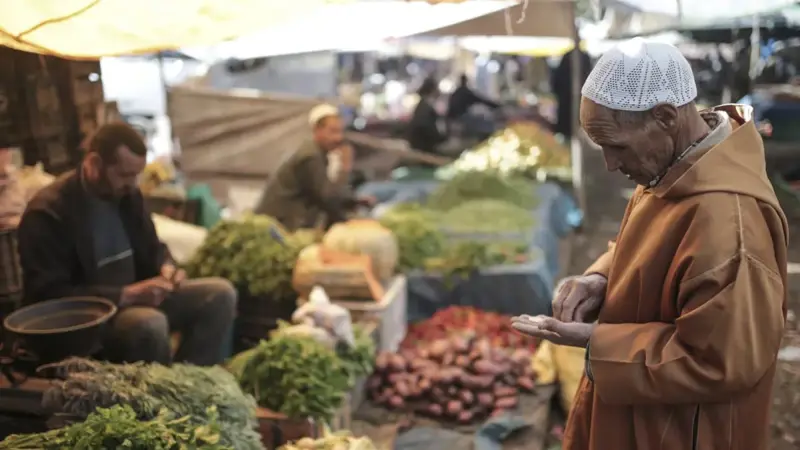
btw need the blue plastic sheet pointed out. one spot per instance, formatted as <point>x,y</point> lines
<point>512,289</point>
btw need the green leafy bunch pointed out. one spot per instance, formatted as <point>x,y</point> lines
<point>473,185</point>
<point>150,389</point>
<point>417,232</point>
<point>254,253</point>
<point>119,427</point>
<point>293,375</point>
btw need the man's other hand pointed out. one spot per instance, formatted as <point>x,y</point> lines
<point>367,200</point>
<point>573,334</point>
<point>173,274</point>
<point>149,292</point>
<point>579,299</point>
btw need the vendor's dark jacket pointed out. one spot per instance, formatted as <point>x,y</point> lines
<point>423,134</point>
<point>464,98</point>
<point>56,248</point>
<point>300,192</point>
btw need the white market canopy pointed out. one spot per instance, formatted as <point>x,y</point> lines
<point>362,26</point>
<point>631,17</point>
<point>94,28</point>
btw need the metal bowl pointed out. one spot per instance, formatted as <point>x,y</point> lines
<point>55,329</point>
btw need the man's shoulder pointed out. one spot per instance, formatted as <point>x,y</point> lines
<point>53,197</point>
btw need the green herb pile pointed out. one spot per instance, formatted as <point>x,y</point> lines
<point>487,216</point>
<point>476,185</point>
<point>418,235</point>
<point>293,375</point>
<point>149,389</point>
<point>247,253</point>
<point>359,360</point>
<point>119,427</point>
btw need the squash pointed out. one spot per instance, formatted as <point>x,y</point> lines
<point>365,237</point>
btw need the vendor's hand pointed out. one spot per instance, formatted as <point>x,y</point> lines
<point>173,274</point>
<point>149,292</point>
<point>578,299</point>
<point>572,334</point>
<point>367,200</point>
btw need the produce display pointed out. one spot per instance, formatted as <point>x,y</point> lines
<point>503,217</point>
<point>152,390</point>
<point>119,427</point>
<point>460,378</point>
<point>300,377</point>
<point>523,148</point>
<point>418,235</point>
<point>254,253</point>
<point>342,440</point>
<point>465,319</point>
<point>487,184</point>
<point>365,237</point>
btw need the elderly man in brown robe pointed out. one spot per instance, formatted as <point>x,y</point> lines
<point>683,317</point>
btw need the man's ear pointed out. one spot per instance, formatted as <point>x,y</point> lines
<point>666,116</point>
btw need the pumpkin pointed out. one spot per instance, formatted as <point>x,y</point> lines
<point>365,237</point>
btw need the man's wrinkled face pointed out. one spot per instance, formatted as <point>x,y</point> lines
<point>118,178</point>
<point>329,133</point>
<point>641,148</point>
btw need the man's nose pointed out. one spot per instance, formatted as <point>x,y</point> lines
<point>612,163</point>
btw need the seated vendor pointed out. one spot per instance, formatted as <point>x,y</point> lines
<point>89,234</point>
<point>300,194</point>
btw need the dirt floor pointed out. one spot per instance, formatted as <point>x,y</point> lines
<point>605,206</point>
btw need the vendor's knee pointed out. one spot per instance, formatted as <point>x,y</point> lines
<point>139,323</point>
<point>223,297</point>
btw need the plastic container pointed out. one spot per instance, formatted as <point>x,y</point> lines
<point>389,312</point>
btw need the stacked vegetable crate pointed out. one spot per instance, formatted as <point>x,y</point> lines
<point>389,313</point>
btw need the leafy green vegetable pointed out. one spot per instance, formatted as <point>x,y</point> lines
<point>293,375</point>
<point>476,185</point>
<point>417,232</point>
<point>182,390</point>
<point>247,253</point>
<point>358,360</point>
<point>118,427</point>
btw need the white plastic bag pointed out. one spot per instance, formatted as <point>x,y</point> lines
<point>333,318</point>
<point>318,334</point>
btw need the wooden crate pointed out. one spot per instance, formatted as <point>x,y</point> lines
<point>276,429</point>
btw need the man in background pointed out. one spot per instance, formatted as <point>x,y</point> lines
<point>301,193</point>
<point>464,98</point>
<point>423,130</point>
<point>89,234</point>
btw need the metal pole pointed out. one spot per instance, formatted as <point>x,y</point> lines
<point>575,143</point>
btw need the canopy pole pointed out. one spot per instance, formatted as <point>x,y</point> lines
<point>575,143</point>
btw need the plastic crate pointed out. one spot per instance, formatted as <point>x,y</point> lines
<point>390,313</point>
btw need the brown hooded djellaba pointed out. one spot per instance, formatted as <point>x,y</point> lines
<point>684,355</point>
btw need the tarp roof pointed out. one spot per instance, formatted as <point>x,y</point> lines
<point>95,28</point>
<point>370,23</point>
<point>633,17</point>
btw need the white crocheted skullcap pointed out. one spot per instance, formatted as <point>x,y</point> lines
<point>320,112</point>
<point>638,74</point>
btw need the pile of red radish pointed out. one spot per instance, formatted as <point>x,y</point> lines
<point>459,319</point>
<point>460,378</point>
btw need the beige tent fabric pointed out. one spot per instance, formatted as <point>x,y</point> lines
<point>543,18</point>
<point>94,28</point>
<point>238,138</point>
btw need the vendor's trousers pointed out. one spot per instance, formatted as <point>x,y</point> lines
<point>200,310</point>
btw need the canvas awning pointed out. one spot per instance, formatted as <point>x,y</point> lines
<point>240,137</point>
<point>95,28</point>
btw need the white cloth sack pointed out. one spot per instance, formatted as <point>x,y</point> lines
<point>181,238</point>
<point>323,314</point>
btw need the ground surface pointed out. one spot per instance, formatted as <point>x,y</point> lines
<point>605,206</point>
